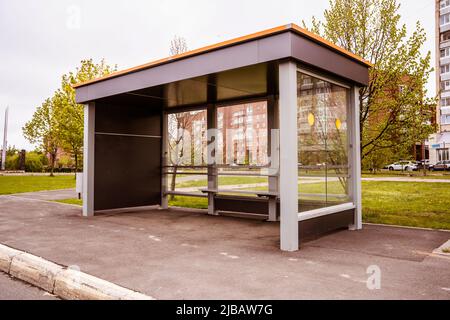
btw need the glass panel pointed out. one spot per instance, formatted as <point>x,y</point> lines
<point>337,146</point>
<point>242,147</point>
<point>322,143</point>
<point>187,157</point>
<point>191,91</point>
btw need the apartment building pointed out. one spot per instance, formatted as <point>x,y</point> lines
<point>439,143</point>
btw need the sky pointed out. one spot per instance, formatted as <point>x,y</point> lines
<point>42,40</point>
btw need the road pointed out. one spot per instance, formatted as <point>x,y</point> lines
<point>11,289</point>
<point>167,256</point>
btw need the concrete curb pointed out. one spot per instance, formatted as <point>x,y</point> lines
<point>404,227</point>
<point>440,250</point>
<point>75,285</point>
<point>35,270</point>
<point>64,282</point>
<point>6,256</point>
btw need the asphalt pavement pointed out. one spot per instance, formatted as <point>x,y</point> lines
<point>11,289</point>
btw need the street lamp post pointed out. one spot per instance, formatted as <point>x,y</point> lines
<point>5,132</point>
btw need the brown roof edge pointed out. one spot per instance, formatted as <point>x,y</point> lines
<point>220,45</point>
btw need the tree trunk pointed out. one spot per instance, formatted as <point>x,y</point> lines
<point>52,163</point>
<point>422,151</point>
<point>76,162</point>
<point>173,182</point>
<point>361,126</point>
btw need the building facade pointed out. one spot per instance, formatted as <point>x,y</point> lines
<point>439,143</point>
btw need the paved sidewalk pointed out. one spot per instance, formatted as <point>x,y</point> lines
<point>61,194</point>
<point>183,254</point>
<point>407,179</point>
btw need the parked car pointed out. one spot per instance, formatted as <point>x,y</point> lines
<point>403,166</point>
<point>424,164</point>
<point>442,166</point>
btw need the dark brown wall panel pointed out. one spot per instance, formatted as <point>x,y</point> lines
<point>128,119</point>
<point>314,228</point>
<point>241,204</point>
<point>127,167</point>
<point>127,172</point>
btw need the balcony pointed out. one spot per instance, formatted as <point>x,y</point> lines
<point>444,44</point>
<point>445,76</point>
<point>444,60</point>
<point>445,10</point>
<point>445,110</point>
<point>444,27</point>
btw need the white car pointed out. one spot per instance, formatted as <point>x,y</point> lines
<point>403,166</point>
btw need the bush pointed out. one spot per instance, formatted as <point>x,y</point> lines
<point>33,162</point>
<point>12,162</point>
<point>64,161</point>
<point>59,170</point>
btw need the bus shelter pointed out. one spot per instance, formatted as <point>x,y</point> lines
<point>266,125</point>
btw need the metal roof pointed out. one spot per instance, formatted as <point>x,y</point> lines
<point>262,34</point>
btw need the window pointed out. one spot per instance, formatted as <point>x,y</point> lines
<point>445,102</point>
<point>442,154</point>
<point>445,18</point>
<point>445,36</point>
<point>322,143</point>
<point>186,150</point>
<point>242,148</point>
<point>445,52</point>
<point>445,68</point>
<point>242,134</point>
<point>445,110</point>
<point>445,85</point>
<point>444,3</point>
<point>445,119</point>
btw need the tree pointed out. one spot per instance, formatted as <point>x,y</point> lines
<point>183,145</point>
<point>178,45</point>
<point>69,114</point>
<point>43,129</point>
<point>58,122</point>
<point>180,122</point>
<point>395,111</point>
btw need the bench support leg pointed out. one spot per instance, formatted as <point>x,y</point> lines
<point>273,210</point>
<point>211,207</point>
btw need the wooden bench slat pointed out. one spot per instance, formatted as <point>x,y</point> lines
<point>259,194</point>
<point>186,194</point>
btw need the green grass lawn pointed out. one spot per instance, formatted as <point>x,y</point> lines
<point>224,180</point>
<point>405,203</point>
<point>415,174</point>
<point>425,205</point>
<point>18,184</point>
<point>189,202</point>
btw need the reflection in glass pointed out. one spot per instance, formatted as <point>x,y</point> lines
<point>242,134</point>
<point>322,143</point>
<point>187,157</point>
<point>242,147</point>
